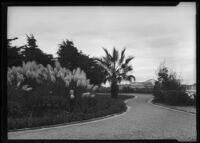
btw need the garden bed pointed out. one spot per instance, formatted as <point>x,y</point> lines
<point>103,105</point>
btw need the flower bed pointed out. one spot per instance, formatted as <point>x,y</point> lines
<point>39,95</point>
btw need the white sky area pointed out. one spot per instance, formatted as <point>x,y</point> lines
<point>150,34</point>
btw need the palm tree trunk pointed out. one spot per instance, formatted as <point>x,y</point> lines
<point>114,89</point>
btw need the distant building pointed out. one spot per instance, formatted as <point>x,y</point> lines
<point>149,84</point>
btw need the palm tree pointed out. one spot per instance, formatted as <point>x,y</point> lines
<point>117,68</point>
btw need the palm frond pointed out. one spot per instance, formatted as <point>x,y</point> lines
<point>105,65</point>
<point>119,78</point>
<point>106,60</point>
<point>127,68</point>
<point>107,54</point>
<point>121,60</point>
<point>115,55</point>
<point>108,78</point>
<point>130,77</point>
<point>128,59</point>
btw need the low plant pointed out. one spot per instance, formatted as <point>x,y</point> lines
<point>173,97</point>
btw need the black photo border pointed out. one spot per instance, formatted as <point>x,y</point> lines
<point>4,8</point>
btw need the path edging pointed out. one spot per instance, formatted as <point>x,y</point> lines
<point>169,108</point>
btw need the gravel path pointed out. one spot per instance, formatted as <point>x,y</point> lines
<point>142,121</point>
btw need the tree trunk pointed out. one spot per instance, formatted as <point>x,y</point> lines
<point>114,89</point>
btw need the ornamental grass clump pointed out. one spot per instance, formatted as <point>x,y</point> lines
<point>36,88</point>
<point>32,75</point>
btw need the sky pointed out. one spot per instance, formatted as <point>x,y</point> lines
<point>150,34</point>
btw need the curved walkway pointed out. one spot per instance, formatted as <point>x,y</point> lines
<point>142,121</point>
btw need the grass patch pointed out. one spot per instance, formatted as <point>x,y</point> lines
<point>101,105</point>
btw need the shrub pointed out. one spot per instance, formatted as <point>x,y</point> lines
<point>62,116</point>
<point>14,109</point>
<point>173,97</point>
<point>168,89</point>
<point>34,88</point>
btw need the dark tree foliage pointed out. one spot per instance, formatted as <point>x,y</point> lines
<point>13,54</point>
<point>71,58</point>
<point>31,52</point>
<point>95,73</point>
<point>169,90</point>
<point>166,80</point>
<point>68,55</point>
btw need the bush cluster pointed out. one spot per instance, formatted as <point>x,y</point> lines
<point>173,97</point>
<point>169,90</point>
<point>34,89</point>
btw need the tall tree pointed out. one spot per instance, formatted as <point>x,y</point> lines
<point>169,90</point>
<point>68,55</point>
<point>31,52</point>
<point>167,80</point>
<point>94,72</point>
<point>71,58</point>
<point>13,54</point>
<point>117,68</point>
